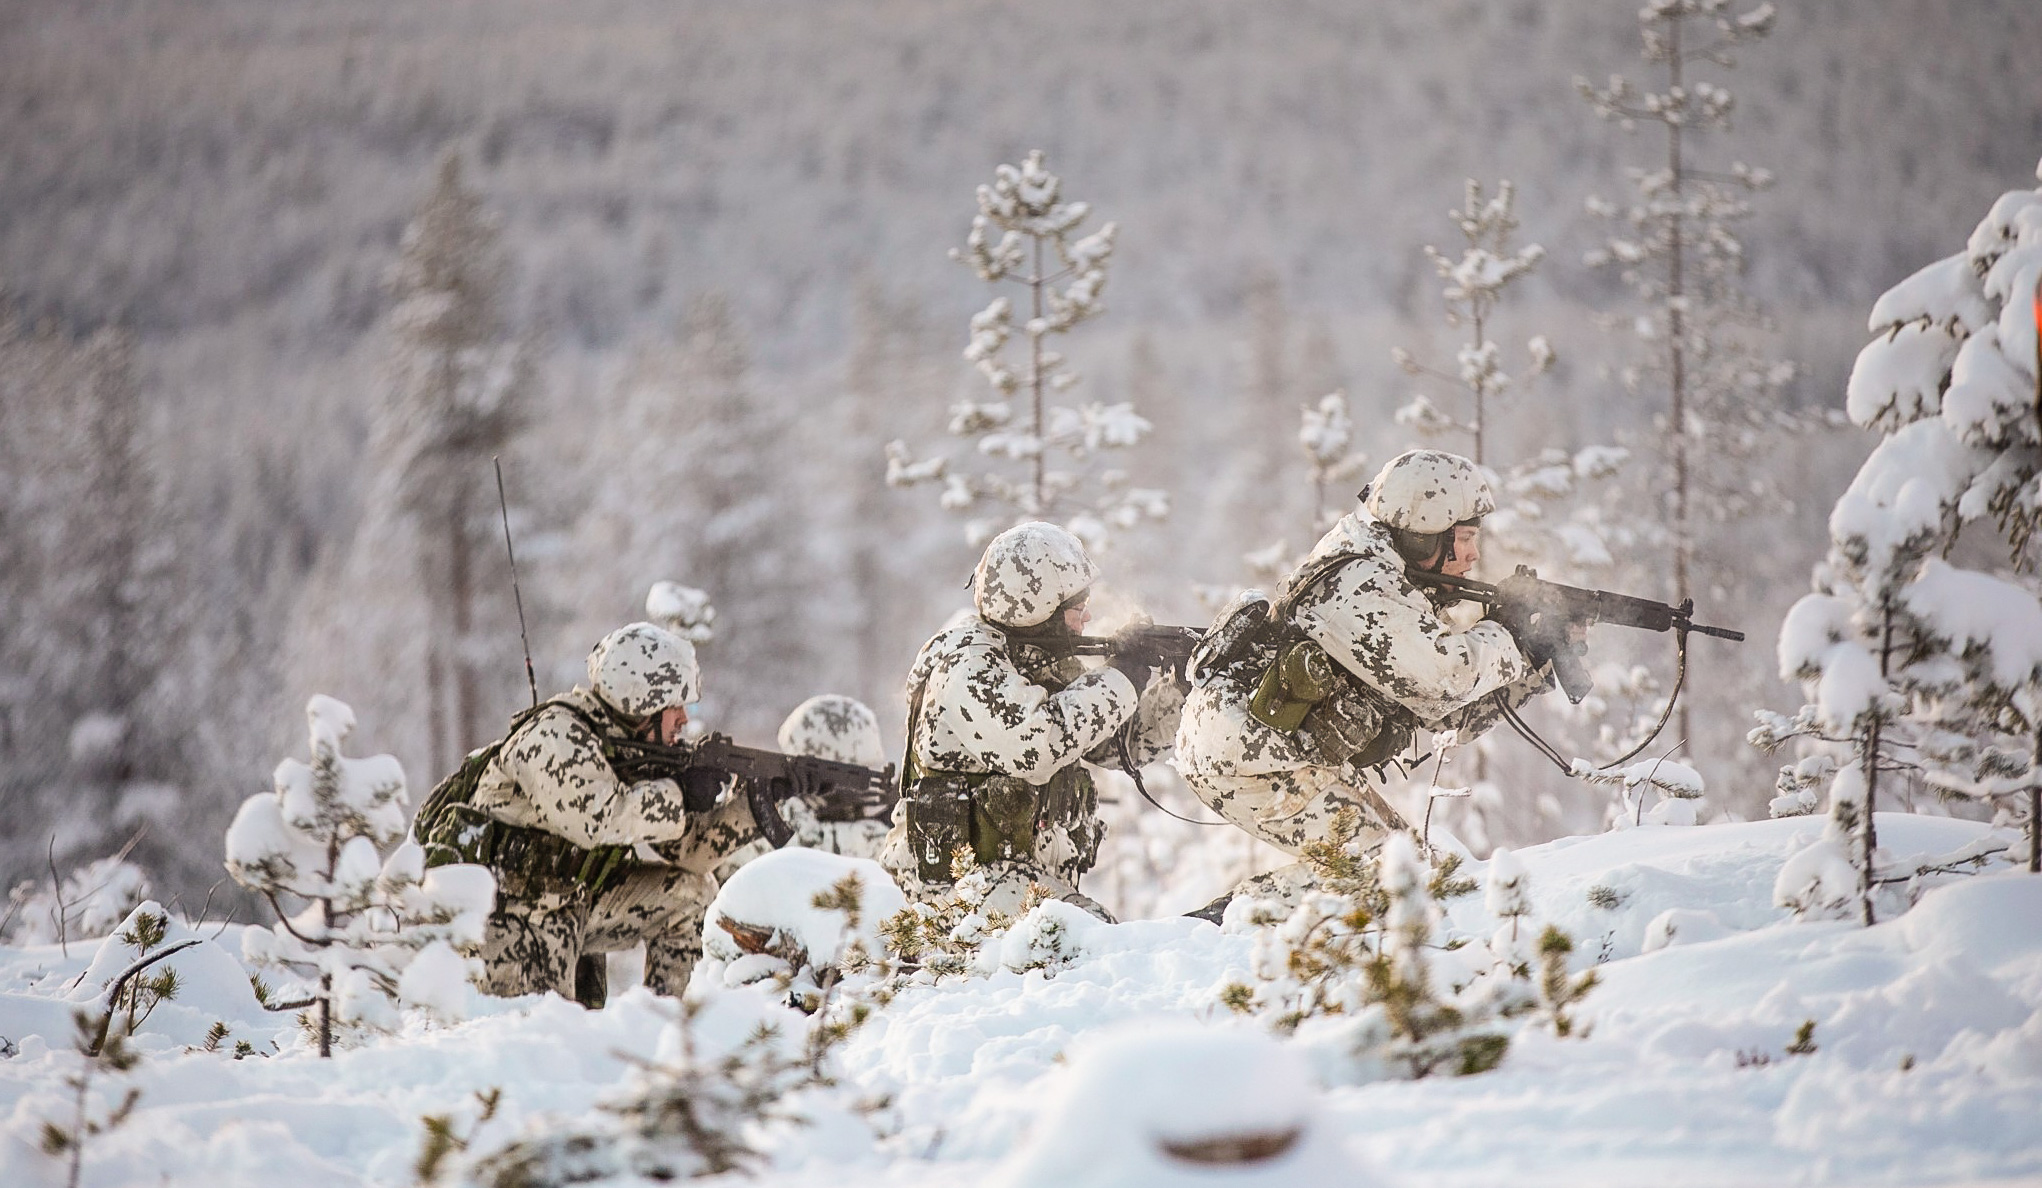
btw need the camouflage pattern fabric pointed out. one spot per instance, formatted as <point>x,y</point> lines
<point>834,727</point>
<point>989,717</point>
<point>551,775</point>
<point>1027,572</point>
<point>1389,638</point>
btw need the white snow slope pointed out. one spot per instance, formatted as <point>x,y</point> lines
<point>1928,1068</point>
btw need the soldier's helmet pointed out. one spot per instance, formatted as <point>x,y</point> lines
<point>642,669</point>
<point>1027,572</point>
<point>1428,491</point>
<point>834,727</point>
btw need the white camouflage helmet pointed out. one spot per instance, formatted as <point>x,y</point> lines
<point>1428,491</point>
<point>834,727</point>
<point>1027,572</point>
<point>642,669</point>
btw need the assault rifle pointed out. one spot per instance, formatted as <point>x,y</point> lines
<point>841,791</point>
<point>1152,644</point>
<point>1539,614</point>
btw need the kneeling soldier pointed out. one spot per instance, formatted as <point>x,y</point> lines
<point>587,862</point>
<point>999,719</point>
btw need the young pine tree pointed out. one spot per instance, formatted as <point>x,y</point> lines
<point>374,934</point>
<point>1044,456</point>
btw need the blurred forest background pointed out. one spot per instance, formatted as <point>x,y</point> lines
<point>682,264</point>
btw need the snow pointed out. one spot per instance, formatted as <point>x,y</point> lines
<point>1927,1065</point>
<point>776,892</point>
<point>1898,378</point>
<point>1945,291</point>
<point>1982,613</point>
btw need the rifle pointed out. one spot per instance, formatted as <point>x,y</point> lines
<point>1152,644</point>
<point>843,791</point>
<point>1540,612</point>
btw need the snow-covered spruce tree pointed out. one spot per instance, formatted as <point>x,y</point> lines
<point>374,934</point>
<point>1913,664</point>
<point>1043,455</point>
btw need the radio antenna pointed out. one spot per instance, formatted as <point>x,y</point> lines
<point>503,505</point>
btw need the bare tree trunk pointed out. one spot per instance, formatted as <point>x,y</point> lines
<point>1035,381</point>
<point>1676,357</point>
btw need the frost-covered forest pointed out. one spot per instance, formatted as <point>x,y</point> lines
<point>710,284</point>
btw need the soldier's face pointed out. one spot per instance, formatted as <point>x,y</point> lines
<point>1467,551</point>
<point>670,722</point>
<point>1076,617</point>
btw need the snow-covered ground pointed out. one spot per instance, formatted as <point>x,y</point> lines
<point>1927,1066</point>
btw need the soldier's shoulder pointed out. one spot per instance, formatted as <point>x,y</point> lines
<point>576,711</point>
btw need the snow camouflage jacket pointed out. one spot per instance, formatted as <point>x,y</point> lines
<point>551,775</point>
<point>1381,630</point>
<point>981,713</point>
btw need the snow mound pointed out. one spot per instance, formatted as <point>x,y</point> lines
<point>1165,1104</point>
<point>774,896</point>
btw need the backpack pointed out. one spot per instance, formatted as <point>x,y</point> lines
<point>450,829</point>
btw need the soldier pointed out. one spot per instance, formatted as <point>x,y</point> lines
<point>586,862</point>
<point>998,723</point>
<point>842,730</point>
<point>1298,722</point>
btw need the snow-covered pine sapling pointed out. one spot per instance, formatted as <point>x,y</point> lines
<point>1326,434</point>
<point>444,1138</point>
<point>374,934</point>
<point>1508,898</point>
<point>1675,247</point>
<point>142,994</point>
<point>682,1118</point>
<point>1913,663</point>
<point>101,1052</point>
<point>1475,281</point>
<point>1427,1029</point>
<point>1679,786</point>
<point>1560,990</point>
<point>1042,454</point>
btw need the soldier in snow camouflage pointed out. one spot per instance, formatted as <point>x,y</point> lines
<point>842,730</point>
<point>1362,659</point>
<point>601,864</point>
<point>997,728</point>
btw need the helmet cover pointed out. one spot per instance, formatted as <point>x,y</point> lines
<point>1428,491</point>
<point>1027,572</point>
<point>834,727</point>
<point>642,669</point>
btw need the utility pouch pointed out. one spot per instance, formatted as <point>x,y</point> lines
<point>1071,801</point>
<point>1349,727</point>
<point>939,818</point>
<point>1302,676</point>
<point>1003,812</point>
<point>457,833</point>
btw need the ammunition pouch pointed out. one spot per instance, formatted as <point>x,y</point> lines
<point>1305,694</point>
<point>463,833</point>
<point>997,818</point>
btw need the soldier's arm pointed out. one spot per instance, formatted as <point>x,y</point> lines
<point>574,794</point>
<point>988,717</point>
<point>1380,628</point>
<point>1157,713</point>
<point>1476,718</point>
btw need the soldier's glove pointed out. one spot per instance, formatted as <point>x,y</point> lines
<point>1542,634</point>
<point>1130,656</point>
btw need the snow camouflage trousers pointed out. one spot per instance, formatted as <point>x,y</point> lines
<point>544,924</point>
<point>1292,809</point>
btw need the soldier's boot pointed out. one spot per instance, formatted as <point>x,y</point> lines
<point>1215,911</point>
<point>592,980</point>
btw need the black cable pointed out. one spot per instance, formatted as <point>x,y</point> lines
<point>1134,772</point>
